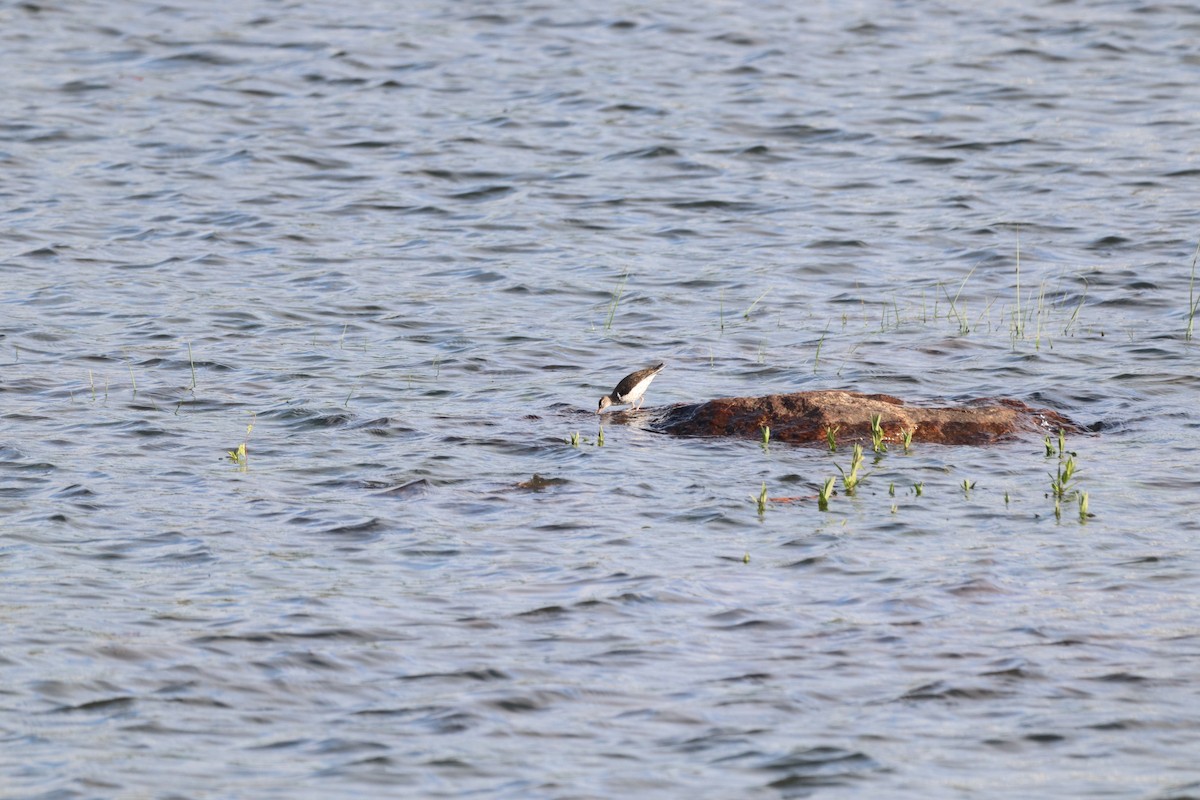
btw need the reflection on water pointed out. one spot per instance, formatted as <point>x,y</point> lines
<point>413,245</point>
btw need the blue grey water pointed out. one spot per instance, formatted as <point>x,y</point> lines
<point>409,245</point>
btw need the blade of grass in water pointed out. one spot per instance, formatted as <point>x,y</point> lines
<point>616,300</point>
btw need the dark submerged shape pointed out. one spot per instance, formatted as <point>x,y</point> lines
<point>804,417</point>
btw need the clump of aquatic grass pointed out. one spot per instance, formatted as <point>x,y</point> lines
<point>919,488</point>
<point>1061,487</point>
<point>964,324</point>
<point>616,300</point>
<point>1060,480</point>
<point>877,433</point>
<point>906,438</point>
<point>831,437</point>
<point>575,439</point>
<point>851,478</point>
<point>1060,483</point>
<point>1020,317</point>
<point>240,456</point>
<point>1058,448</point>
<point>825,492</point>
<point>967,486</point>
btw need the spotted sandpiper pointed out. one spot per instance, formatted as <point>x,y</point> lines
<point>631,388</point>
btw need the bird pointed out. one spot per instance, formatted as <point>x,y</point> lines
<point>631,388</point>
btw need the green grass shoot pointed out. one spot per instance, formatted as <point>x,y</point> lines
<point>964,325</point>
<point>240,456</point>
<point>1049,447</point>
<point>831,437</point>
<point>746,314</point>
<point>132,379</point>
<point>766,435</point>
<point>825,493</point>
<point>851,478</point>
<point>1037,338</point>
<point>877,433</point>
<point>967,486</point>
<point>574,440</point>
<point>919,488</point>
<point>192,363</point>
<point>600,437</point>
<point>906,438</point>
<point>1193,300</point>
<point>1018,323</point>
<point>1083,507</point>
<point>892,489</point>
<point>1060,483</point>
<point>761,500</point>
<point>616,300</point>
<point>92,383</point>
<point>1075,314</point>
<point>820,342</point>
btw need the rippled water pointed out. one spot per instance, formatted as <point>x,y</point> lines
<point>412,244</point>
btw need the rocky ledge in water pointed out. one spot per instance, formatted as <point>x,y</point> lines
<point>804,418</point>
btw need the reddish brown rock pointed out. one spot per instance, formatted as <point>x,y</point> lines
<point>804,417</point>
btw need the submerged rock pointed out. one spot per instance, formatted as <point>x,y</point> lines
<point>804,418</point>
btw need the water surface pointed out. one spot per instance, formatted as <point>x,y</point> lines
<point>412,246</point>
